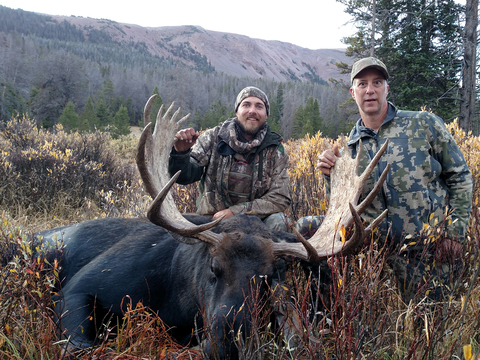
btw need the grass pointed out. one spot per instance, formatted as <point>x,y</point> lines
<point>361,316</point>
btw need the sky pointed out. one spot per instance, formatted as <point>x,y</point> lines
<point>317,24</point>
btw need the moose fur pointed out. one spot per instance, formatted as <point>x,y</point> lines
<point>106,260</point>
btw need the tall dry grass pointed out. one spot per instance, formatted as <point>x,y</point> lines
<point>362,317</point>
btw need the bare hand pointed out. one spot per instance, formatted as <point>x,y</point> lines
<point>186,139</point>
<point>227,212</point>
<point>327,159</point>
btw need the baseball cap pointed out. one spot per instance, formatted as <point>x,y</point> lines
<point>369,62</point>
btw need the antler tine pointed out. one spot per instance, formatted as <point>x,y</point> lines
<point>346,187</point>
<point>163,210</point>
<point>346,149</point>
<point>183,228</point>
<point>343,211</point>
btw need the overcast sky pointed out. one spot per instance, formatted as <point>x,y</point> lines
<point>314,24</point>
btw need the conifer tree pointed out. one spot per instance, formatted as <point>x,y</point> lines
<point>69,118</point>
<point>103,114</point>
<point>88,119</point>
<point>120,124</point>
<point>420,43</point>
<point>214,115</point>
<point>298,122</point>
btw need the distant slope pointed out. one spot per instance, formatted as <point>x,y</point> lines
<point>233,54</point>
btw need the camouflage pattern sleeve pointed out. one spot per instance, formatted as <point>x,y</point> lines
<point>457,177</point>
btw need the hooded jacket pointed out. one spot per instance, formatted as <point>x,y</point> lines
<point>210,160</point>
<point>428,178</point>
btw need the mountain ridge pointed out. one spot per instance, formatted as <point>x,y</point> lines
<point>233,54</point>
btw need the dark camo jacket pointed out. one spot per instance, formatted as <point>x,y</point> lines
<point>270,194</point>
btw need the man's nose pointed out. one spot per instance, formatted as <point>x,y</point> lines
<point>370,89</point>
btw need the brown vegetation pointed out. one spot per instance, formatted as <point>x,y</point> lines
<point>42,178</point>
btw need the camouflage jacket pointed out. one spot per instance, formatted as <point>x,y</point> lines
<point>210,161</point>
<point>428,173</point>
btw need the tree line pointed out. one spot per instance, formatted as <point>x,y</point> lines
<point>98,84</point>
<point>423,43</point>
<point>51,72</point>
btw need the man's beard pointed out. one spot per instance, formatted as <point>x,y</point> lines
<point>241,130</point>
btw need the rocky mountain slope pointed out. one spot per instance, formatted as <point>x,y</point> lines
<point>233,54</point>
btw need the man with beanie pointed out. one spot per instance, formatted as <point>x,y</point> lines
<point>241,164</point>
<point>428,179</point>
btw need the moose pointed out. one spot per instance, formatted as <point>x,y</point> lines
<point>181,265</point>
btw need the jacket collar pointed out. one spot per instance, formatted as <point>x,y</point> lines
<point>360,130</point>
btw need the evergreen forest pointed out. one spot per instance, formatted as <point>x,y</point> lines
<point>55,72</point>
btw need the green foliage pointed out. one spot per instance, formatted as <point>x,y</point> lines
<point>276,110</point>
<point>88,119</point>
<point>120,124</point>
<point>11,103</point>
<point>420,42</point>
<point>307,119</point>
<point>425,65</point>
<point>298,122</point>
<point>214,115</point>
<point>39,169</point>
<point>69,118</point>
<point>102,113</point>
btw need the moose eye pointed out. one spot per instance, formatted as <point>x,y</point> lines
<point>216,269</point>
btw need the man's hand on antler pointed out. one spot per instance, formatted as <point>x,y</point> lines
<point>225,213</point>
<point>186,138</point>
<point>327,159</point>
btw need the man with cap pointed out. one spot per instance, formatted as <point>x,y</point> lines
<point>241,164</point>
<point>428,179</point>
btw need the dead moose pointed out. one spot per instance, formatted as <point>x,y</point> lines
<point>181,265</point>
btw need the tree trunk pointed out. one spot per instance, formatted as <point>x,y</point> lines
<point>372,36</point>
<point>466,116</point>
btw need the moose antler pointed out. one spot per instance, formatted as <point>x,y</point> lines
<point>153,171</point>
<point>345,190</point>
<point>346,187</point>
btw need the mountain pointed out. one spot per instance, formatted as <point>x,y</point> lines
<point>47,62</point>
<point>232,54</point>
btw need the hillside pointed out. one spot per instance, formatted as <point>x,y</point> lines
<point>48,61</point>
<point>232,54</point>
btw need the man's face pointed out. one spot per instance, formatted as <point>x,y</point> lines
<point>370,91</point>
<point>252,115</point>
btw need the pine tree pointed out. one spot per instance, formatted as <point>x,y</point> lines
<point>419,41</point>
<point>103,114</point>
<point>214,115</point>
<point>120,124</point>
<point>298,122</point>
<point>88,119</point>
<point>69,118</point>
<point>276,110</point>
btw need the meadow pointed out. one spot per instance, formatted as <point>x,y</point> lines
<point>54,178</point>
